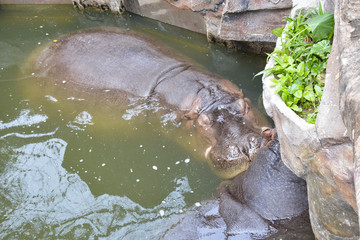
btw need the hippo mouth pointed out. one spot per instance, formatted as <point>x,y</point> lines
<point>234,158</point>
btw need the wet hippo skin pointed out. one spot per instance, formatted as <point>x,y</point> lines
<point>268,190</point>
<point>131,64</point>
<point>267,201</point>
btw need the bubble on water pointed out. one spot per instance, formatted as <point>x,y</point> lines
<point>103,164</point>
<point>155,167</point>
<point>81,160</point>
<point>187,160</point>
<point>84,118</point>
<point>197,204</point>
<point>131,170</point>
<point>141,145</point>
<point>178,162</point>
<point>137,180</point>
<point>41,26</point>
<point>163,146</point>
<point>168,168</point>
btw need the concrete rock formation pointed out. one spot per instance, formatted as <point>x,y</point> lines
<point>327,154</point>
<point>242,24</point>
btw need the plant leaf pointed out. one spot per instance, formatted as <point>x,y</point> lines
<point>296,108</point>
<point>321,49</point>
<point>278,31</point>
<point>309,95</point>
<point>298,94</point>
<point>301,68</point>
<point>322,26</point>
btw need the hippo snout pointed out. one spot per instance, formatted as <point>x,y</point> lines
<point>231,156</point>
<point>236,157</point>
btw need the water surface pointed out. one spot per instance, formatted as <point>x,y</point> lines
<point>72,169</point>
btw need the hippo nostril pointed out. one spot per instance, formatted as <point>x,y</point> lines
<point>245,151</point>
<point>234,151</point>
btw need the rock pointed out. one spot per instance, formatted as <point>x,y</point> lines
<point>327,154</point>
<point>250,26</point>
<point>112,5</point>
<point>251,5</point>
<point>240,21</point>
<point>304,6</point>
<point>331,193</point>
<point>348,36</point>
<point>329,109</point>
<point>298,138</point>
<point>244,24</point>
<point>167,13</point>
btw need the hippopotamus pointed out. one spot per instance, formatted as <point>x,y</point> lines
<point>133,65</point>
<point>267,201</point>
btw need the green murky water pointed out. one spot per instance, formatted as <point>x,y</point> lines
<point>71,170</point>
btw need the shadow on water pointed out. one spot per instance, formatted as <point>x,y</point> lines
<point>69,170</point>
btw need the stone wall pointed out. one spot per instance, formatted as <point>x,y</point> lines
<point>327,154</point>
<point>35,1</point>
<point>243,24</point>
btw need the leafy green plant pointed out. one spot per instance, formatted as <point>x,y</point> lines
<point>300,61</point>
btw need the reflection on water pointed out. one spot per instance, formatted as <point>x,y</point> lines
<point>74,168</point>
<point>42,197</point>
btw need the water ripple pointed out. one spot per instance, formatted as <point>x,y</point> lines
<point>24,119</point>
<point>41,199</point>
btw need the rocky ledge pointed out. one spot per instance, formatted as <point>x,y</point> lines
<point>246,25</point>
<point>327,154</point>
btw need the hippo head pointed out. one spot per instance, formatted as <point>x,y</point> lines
<point>231,139</point>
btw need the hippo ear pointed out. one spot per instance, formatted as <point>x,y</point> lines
<point>247,105</point>
<point>243,105</point>
<point>204,120</point>
<point>192,114</point>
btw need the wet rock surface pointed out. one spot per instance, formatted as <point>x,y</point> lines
<point>246,25</point>
<point>325,154</point>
